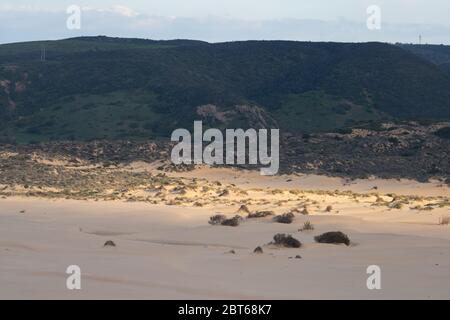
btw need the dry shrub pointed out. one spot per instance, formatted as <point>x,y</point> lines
<point>444,221</point>
<point>109,243</point>
<point>260,214</point>
<point>258,250</point>
<point>286,241</point>
<point>217,219</point>
<point>307,226</point>
<point>286,218</point>
<point>335,237</point>
<point>233,222</point>
<point>243,209</point>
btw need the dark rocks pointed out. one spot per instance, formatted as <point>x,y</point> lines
<point>335,237</point>
<point>286,241</point>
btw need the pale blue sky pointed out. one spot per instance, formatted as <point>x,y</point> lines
<point>222,20</point>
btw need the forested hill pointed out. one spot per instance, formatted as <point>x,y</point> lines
<point>100,87</point>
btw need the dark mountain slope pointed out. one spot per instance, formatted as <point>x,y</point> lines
<point>130,88</point>
<point>445,67</point>
<point>437,54</point>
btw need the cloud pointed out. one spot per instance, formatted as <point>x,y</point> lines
<point>24,23</point>
<point>25,8</point>
<point>125,11</point>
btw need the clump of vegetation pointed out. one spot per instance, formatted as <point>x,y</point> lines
<point>276,191</point>
<point>421,208</point>
<point>286,218</point>
<point>179,190</point>
<point>380,200</point>
<point>329,208</point>
<point>307,226</point>
<point>396,205</point>
<point>243,209</point>
<point>335,237</point>
<point>258,250</point>
<point>260,214</point>
<point>444,221</point>
<point>305,211</point>
<point>109,243</point>
<point>287,241</point>
<point>233,222</point>
<point>217,219</point>
<point>223,193</point>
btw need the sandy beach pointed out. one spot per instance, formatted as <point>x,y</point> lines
<point>171,252</point>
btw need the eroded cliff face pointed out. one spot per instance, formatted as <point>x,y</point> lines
<point>14,82</point>
<point>248,116</point>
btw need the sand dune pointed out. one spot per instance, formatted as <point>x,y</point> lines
<point>171,252</point>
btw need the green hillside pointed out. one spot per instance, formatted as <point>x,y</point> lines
<point>99,87</point>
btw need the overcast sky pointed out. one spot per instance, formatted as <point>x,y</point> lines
<point>224,20</point>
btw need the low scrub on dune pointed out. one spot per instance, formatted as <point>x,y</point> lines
<point>286,218</point>
<point>286,241</point>
<point>233,222</point>
<point>217,219</point>
<point>444,221</point>
<point>335,237</point>
<point>109,243</point>
<point>243,209</point>
<point>258,250</point>
<point>260,214</point>
<point>307,226</point>
<point>222,220</point>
